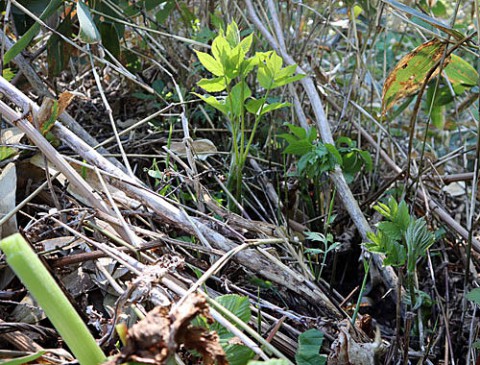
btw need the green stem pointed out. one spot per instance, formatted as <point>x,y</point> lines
<point>40,283</point>
<point>258,117</point>
<point>366,266</point>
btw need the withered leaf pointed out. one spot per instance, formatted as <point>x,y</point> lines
<point>411,72</point>
<point>158,336</point>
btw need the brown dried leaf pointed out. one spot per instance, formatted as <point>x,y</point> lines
<point>64,101</point>
<point>158,336</point>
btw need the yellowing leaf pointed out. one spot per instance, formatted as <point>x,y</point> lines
<point>410,73</point>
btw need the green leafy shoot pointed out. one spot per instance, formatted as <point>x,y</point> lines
<point>230,65</point>
<point>403,240</point>
<point>328,244</point>
<point>271,74</point>
<point>318,158</point>
<point>354,159</point>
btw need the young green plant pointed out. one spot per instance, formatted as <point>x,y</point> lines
<point>403,240</point>
<point>230,67</point>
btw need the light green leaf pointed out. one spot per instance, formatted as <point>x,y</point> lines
<point>213,85</point>
<point>474,296</point>
<point>233,34</point>
<point>6,152</point>
<point>274,106</point>
<point>271,74</point>
<point>265,76</point>
<point>24,359</point>
<point>246,43</point>
<point>88,30</point>
<point>212,101</point>
<point>461,74</point>
<point>8,74</point>
<point>211,64</point>
<point>221,50</point>
<point>239,93</point>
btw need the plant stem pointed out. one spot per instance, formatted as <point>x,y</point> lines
<point>366,266</point>
<point>40,283</point>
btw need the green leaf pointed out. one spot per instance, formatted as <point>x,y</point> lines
<point>8,74</point>
<point>6,152</point>
<point>410,73</point>
<point>23,42</point>
<point>274,106</point>
<point>461,74</point>
<point>299,147</point>
<point>474,296</point>
<point>254,105</point>
<point>309,344</point>
<point>298,131</point>
<point>88,30</point>
<point>391,230</point>
<point>24,359</point>
<point>334,153</point>
<point>212,101</point>
<point>166,8</point>
<point>233,34</point>
<point>59,51</point>
<point>236,304</point>
<point>314,251</point>
<point>418,239</point>
<point>315,236</point>
<point>110,38</point>
<point>401,215</point>
<point>237,96</point>
<point>211,64</point>
<point>237,354</point>
<point>213,85</point>
<point>434,22</point>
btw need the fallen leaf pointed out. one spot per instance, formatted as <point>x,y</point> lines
<point>157,337</point>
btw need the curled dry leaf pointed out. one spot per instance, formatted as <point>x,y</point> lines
<point>64,101</point>
<point>158,336</point>
<point>411,72</point>
<point>346,349</point>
